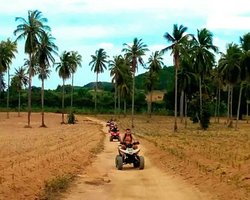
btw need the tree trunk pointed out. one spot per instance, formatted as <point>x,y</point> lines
<point>119,101</point>
<point>218,112</point>
<point>42,98</point>
<point>125,102</point>
<point>231,106</point>
<point>8,94</point>
<point>96,92</point>
<point>148,101</point>
<point>150,104</point>
<point>215,110</point>
<point>185,110</point>
<point>19,103</point>
<point>200,98</point>
<point>181,105</point>
<point>133,101</point>
<point>175,103</point>
<point>247,110</point>
<point>72,91</point>
<point>63,101</point>
<point>115,96</point>
<point>29,89</point>
<point>228,104</point>
<point>238,111</point>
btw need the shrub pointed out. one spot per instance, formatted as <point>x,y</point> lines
<point>71,118</point>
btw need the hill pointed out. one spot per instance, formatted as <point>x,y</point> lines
<point>165,83</point>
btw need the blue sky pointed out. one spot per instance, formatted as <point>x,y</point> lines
<point>87,25</point>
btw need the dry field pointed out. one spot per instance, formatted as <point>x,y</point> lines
<point>30,156</point>
<point>216,161</point>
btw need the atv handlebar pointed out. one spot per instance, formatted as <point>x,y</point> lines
<point>134,143</point>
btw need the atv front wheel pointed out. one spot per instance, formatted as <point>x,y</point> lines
<point>119,162</point>
<point>141,165</point>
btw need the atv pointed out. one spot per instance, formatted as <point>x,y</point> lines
<point>129,156</point>
<point>114,135</point>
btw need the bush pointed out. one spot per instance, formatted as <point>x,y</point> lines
<point>194,110</point>
<point>71,118</point>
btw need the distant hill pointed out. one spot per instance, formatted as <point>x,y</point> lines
<point>166,81</point>
<point>101,85</point>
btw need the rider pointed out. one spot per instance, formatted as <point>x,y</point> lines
<point>115,129</point>
<point>128,138</point>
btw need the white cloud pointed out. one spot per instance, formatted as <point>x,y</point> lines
<point>106,45</point>
<point>228,22</point>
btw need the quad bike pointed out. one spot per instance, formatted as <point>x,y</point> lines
<point>114,135</point>
<point>129,156</point>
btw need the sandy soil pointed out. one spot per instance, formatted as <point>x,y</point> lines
<point>103,181</point>
<point>30,156</point>
<point>216,161</point>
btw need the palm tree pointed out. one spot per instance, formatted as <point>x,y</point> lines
<point>75,61</point>
<point>99,61</point>
<point>2,83</point>
<point>245,69</point>
<point>178,39</point>
<point>7,53</point>
<point>155,62</point>
<point>229,66</point>
<point>44,56</point>
<point>64,72</point>
<point>185,76</point>
<point>217,76</point>
<point>134,55</point>
<point>115,67</point>
<point>32,29</point>
<point>21,80</point>
<point>204,57</point>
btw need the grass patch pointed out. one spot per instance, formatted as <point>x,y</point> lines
<point>53,188</point>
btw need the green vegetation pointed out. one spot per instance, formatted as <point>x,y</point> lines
<point>197,85</point>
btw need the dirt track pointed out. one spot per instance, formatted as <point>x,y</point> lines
<point>103,181</point>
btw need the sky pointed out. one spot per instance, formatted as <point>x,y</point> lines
<point>87,25</point>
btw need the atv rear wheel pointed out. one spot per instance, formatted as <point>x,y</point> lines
<point>141,165</point>
<point>110,138</point>
<point>119,162</point>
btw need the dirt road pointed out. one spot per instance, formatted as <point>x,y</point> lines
<point>103,181</point>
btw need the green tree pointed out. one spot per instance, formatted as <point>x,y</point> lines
<point>204,57</point>
<point>75,61</point>
<point>178,40</point>
<point>98,64</point>
<point>32,29</point>
<point>64,72</point>
<point>133,55</point>
<point>245,68</point>
<point>7,53</point>
<point>21,80</point>
<point>44,55</point>
<point>155,62</point>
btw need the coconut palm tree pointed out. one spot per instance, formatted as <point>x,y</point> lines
<point>64,72</point>
<point>76,61</point>
<point>245,68</point>
<point>204,57</point>
<point>44,55</point>
<point>229,66</point>
<point>155,62</point>
<point>7,53</point>
<point>217,76</point>
<point>178,40</point>
<point>133,54</point>
<point>115,67</point>
<point>185,76</point>
<point>98,64</point>
<point>2,83</point>
<point>32,29</point>
<point>21,79</point>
